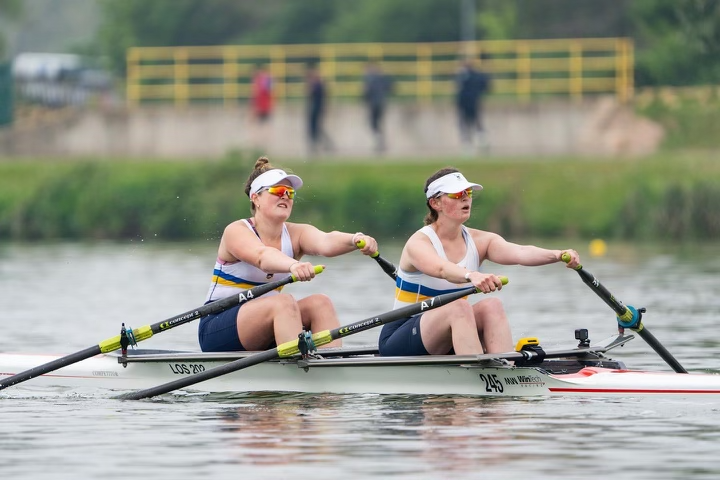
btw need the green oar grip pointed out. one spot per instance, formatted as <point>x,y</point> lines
<point>361,244</point>
<point>318,269</point>
<point>566,258</point>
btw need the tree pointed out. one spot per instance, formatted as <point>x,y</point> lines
<point>10,9</point>
<point>498,20</point>
<point>396,21</point>
<point>678,41</point>
<point>130,23</point>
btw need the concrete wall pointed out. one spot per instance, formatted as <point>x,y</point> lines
<point>594,127</point>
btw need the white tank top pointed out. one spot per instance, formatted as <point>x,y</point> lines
<point>232,278</point>
<point>413,287</point>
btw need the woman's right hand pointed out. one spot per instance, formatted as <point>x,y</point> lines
<point>485,282</point>
<point>367,244</point>
<point>303,271</point>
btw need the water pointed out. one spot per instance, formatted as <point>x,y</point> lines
<point>63,298</point>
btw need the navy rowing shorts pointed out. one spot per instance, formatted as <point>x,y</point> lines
<point>402,338</point>
<point>217,332</point>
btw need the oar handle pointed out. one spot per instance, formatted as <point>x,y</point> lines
<point>386,265</point>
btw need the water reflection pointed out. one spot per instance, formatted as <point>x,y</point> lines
<point>450,433</point>
<point>463,437</point>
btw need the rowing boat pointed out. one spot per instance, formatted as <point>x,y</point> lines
<point>576,370</point>
<point>297,366</point>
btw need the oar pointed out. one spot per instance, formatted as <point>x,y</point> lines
<point>386,265</point>
<point>143,333</point>
<point>293,347</point>
<point>627,317</point>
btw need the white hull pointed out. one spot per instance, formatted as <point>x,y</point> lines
<point>360,374</point>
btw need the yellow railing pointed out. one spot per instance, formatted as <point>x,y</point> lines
<point>522,69</point>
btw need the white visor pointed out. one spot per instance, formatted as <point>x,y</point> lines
<point>451,183</point>
<point>273,177</point>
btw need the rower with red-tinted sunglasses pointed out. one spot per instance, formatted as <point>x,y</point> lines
<point>265,248</point>
<point>446,256</point>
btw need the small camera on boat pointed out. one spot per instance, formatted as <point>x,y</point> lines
<point>582,335</point>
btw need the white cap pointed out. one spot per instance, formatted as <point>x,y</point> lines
<point>451,183</point>
<point>273,177</point>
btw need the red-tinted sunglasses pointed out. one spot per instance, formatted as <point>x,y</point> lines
<point>280,190</point>
<point>467,191</point>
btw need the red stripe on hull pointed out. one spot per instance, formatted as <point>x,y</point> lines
<point>629,390</point>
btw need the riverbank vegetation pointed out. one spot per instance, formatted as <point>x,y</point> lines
<point>671,196</point>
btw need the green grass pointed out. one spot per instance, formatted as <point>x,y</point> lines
<point>671,195</point>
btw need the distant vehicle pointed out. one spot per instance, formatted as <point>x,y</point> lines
<point>59,79</point>
<point>45,66</point>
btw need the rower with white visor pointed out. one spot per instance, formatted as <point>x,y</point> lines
<point>263,248</point>
<point>444,256</point>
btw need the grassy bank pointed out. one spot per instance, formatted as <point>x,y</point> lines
<point>670,196</point>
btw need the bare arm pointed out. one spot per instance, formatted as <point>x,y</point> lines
<point>240,243</point>
<point>503,252</point>
<point>313,241</point>
<point>420,255</point>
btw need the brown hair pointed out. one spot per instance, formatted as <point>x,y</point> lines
<point>262,165</point>
<point>432,216</point>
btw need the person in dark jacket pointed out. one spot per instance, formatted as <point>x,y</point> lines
<point>472,85</point>
<point>316,104</point>
<point>378,87</point>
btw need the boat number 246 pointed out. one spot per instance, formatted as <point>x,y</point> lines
<point>492,383</point>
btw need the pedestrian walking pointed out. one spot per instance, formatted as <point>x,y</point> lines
<point>377,89</point>
<point>472,85</point>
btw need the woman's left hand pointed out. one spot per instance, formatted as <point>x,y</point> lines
<point>370,246</point>
<point>574,258</point>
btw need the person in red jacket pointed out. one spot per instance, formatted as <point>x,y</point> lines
<point>262,101</point>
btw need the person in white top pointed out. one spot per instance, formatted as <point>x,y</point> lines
<point>267,248</point>
<point>444,256</point>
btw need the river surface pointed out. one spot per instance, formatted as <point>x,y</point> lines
<point>62,298</point>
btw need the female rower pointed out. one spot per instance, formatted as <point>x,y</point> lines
<point>263,248</point>
<point>445,256</point>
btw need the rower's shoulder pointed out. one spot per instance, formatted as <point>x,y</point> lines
<point>482,235</point>
<point>240,224</point>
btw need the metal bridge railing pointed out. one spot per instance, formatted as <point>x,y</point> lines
<point>521,69</point>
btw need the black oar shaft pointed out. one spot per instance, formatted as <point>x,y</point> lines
<point>50,366</point>
<point>660,349</point>
<point>288,349</point>
<point>400,313</point>
<point>626,315</point>
<point>219,305</point>
<point>602,292</point>
<point>386,265</point>
<point>143,333</point>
